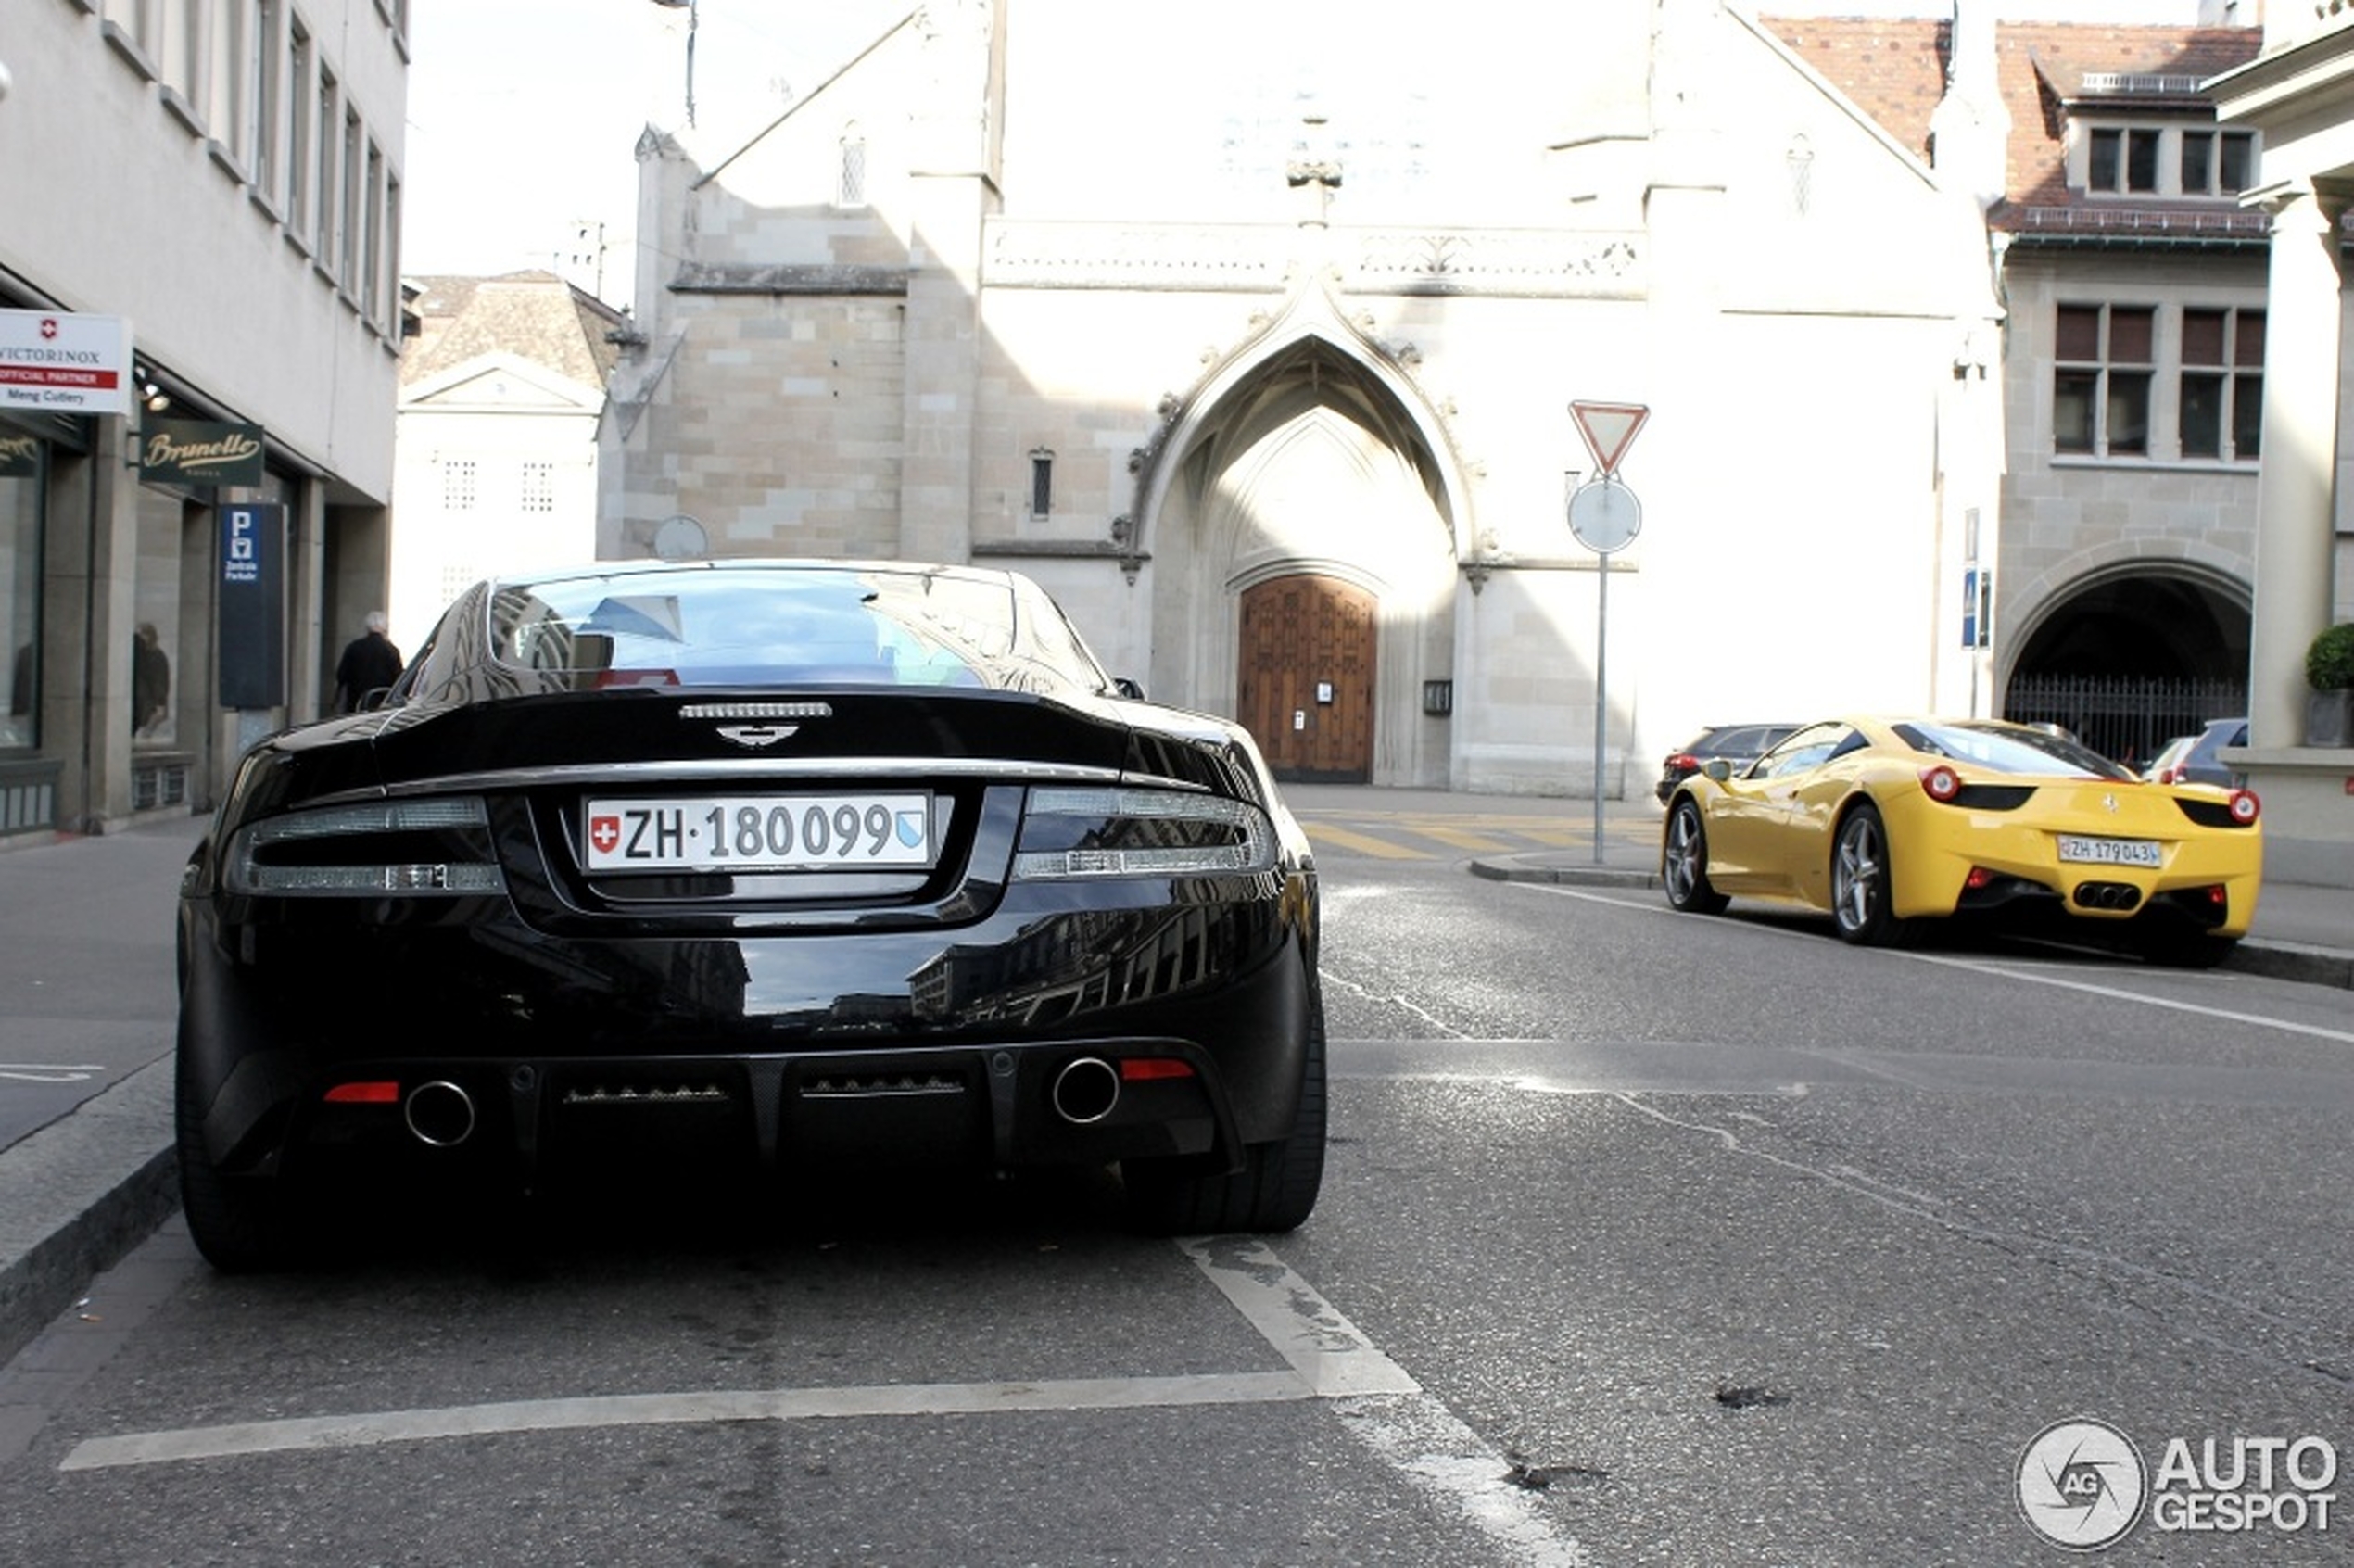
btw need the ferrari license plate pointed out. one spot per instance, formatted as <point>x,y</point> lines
<point>759,833</point>
<point>2109,852</point>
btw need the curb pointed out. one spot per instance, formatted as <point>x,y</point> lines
<point>2272,960</point>
<point>82,1197</point>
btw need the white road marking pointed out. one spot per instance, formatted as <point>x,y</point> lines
<point>372,1429</point>
<point>46,1072</point>
<point>2001,971</point>
<point>1378,1402</point>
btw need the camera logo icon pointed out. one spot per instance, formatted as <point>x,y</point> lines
<point>2082,1484</point>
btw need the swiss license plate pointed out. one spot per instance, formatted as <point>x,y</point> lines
<point>758,833</point>
<point>2109,852</point>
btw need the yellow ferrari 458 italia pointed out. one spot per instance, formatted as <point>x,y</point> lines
<point>1888,822</point>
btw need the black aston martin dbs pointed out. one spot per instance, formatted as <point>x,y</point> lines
<point>746,869</point>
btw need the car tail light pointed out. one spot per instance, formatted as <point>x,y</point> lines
<point>1944,785</point>
<point>1683,762</point>
<point>1144,1070</point>
<point>2245,807</point>
<point>1122,832</point>
<point>399,849</point>
<point>372,1092</point>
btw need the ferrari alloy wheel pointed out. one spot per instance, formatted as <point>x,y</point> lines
<point>1860,885</point>
<point>1683,862</point>
<point>1277,1186</point>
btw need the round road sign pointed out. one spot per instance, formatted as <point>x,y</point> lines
<point>1604,515</point>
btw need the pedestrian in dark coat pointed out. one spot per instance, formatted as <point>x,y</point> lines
<point>370,664</point>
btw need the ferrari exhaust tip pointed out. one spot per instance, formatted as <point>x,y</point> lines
<point>1086,1090</point>
<point>440,1114</point>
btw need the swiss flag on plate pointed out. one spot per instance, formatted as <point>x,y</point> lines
<point>604,832</point>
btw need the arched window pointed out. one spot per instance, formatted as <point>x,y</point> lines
<point>852,191</point>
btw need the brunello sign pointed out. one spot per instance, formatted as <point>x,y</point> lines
<point>199,451</point>
<point>60,362</point>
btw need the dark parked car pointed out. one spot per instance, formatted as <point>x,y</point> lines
<point>2200,764</point>
<point>1739,744</point>
<point>741,871</point>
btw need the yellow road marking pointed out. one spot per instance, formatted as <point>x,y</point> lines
<point>1341,837</point>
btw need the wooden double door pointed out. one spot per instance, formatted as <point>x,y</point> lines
<point>1306,685</point>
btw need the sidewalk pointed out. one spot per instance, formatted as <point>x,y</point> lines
<point>87,1005</point>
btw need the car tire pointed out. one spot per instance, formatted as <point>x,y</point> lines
<point>1274,1191</point>
<point>1683,862</point>
<point>1861,889</point>
<point>241,1226</point>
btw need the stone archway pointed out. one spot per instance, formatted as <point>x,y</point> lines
<point>2129,659</point>
<point>1309,468</point>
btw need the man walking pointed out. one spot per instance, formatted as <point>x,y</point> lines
<point>370,664</point>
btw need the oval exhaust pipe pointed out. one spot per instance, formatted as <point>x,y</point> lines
<point>1086,1090</point>
<point>440,1114</point>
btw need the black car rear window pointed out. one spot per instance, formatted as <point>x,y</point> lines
<point>760,625</point>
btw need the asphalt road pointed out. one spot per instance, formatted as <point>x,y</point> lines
<point>1646,1239</point>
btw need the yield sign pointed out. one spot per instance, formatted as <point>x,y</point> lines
<point>1609,429</point>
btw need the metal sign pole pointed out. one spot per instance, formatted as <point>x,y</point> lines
<point>1602,687</point>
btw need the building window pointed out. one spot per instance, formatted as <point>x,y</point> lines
<point>2222,384</point>
<point>352,211</point>
<point>2123,161</point>
<point>457,486</point>
<point>852,191</point>
<point>1042,482</point>
<point>2217,163</point>
<point>329,104</point>
<point>2167,161</point>
<point>2101,381</point>
<point>302,129</point>
<point>539,486</point>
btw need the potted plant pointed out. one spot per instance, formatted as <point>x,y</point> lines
<point>2329,669</point>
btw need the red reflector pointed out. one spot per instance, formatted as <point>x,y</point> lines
<point>2219,895</point>
<point>1980,876</point>
<point>364,1095</point>
<point>1139,1069</point>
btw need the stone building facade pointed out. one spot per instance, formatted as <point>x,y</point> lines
<point>1272,385</point>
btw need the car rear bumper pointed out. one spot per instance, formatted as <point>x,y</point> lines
<point>1934,867</point>
<point>1040,1035</point>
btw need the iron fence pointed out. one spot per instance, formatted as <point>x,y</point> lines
<point>2123,716</point>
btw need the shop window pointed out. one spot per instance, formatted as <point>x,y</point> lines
<point>22,470</point>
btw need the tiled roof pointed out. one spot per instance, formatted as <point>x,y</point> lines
<point>1894,70</point>
<point>534,315</point>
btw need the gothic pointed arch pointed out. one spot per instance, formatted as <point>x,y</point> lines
<point>1308,453</point>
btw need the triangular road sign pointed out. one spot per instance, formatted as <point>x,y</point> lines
<point>1609,429</point>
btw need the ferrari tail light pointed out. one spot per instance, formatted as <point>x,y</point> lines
<point>1943,785</point>
<point>1072,833</point>
<point>371,1092</point>
<point>418,848</point>
<point>2245,807</point>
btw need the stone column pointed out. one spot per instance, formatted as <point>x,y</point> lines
<point>2297,496</point>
